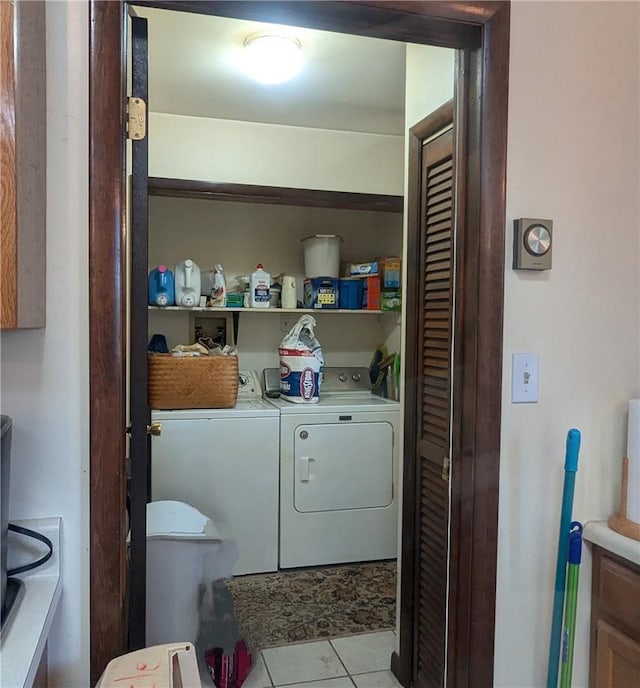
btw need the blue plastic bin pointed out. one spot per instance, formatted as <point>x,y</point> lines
<point>351,290</point>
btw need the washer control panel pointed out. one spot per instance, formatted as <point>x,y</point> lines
<point>249,385</point>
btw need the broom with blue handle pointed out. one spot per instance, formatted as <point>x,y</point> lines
<point>570,608</point>
<point>570,470</point>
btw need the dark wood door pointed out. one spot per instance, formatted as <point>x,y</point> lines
<point>139,447</point>
<point>433,444</point>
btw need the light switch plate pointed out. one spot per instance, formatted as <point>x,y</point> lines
<point>524,378</point>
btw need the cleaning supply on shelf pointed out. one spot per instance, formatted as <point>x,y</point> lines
<point>321,293</point>
<point>301,363</point>
<point>161,287</point>
<point>351,290</point>
<point>322,255</point>
<point>188,287</point>
<point>260,287</point>
<point>214,287</point>
<point>288,296</point>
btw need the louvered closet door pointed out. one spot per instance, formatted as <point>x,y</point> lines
<point>434,410</point>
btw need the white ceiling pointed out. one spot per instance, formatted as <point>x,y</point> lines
<point>347,82</point>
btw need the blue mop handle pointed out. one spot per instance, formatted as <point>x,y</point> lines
<point>570,469</point>
<point>573,448</point>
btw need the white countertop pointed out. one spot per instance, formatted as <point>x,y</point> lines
<point>599,533</point>
<point>25,636</point>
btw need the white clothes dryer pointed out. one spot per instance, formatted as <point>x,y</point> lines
<point>339,474</point>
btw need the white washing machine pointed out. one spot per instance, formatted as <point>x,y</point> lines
<point>339,474</point>
<point>225,463</point>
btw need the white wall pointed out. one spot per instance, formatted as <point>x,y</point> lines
<point>45,372</point>
<point>254,153</point>
<point>573,156</point>
<point>430,79</point>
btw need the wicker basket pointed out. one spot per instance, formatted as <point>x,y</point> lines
<point>185,382</point>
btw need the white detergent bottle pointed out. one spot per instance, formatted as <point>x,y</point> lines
<point>187,279</point>
<point>260,286</point>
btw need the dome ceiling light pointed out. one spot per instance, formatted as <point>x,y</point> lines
<point>272,58</point>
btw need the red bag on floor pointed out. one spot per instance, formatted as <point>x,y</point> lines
<point>229,671</point>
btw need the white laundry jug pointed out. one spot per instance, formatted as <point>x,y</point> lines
<point>187,279</point>
<point>260,287</point>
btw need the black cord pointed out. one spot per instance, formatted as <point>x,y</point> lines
<point>36,536</point>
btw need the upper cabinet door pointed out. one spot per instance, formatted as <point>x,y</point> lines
<point>23,163</point>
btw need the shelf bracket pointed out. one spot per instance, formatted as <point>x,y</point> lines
<point>236,327</point>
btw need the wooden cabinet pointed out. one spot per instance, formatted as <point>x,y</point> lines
<point>23,163</point>
<point>615,622</point>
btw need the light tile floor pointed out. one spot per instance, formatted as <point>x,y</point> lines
<point>360,661</point>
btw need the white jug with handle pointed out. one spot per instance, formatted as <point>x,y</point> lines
<point>187,278</point>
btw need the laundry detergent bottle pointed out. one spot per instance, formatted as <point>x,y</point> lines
<point>260,287</point>
<point>187,284</point>
<point>161,287</point>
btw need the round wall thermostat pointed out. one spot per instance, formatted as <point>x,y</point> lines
<point>532,241</point>
<point>537,240</point>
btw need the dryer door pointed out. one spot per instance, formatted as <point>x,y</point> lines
<point>343,466</point>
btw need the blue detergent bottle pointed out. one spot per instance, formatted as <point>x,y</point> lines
<point>161,287</point>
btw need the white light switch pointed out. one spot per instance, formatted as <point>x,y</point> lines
<point>524,378</point>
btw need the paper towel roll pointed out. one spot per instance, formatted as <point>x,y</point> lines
<point>633,454</point>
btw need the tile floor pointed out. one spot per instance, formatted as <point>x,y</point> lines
<point>360,660</point>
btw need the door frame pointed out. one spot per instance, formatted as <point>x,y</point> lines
<point>481,30</point>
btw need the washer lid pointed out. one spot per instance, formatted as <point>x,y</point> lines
<point>167,518</point>
<point>338,403</point>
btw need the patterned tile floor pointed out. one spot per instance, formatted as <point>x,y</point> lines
<point>360,661</point>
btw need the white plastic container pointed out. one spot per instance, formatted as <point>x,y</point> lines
<point>260,287</point>
<point>322,255</point>
<point>184,549</point>
<point>187,284</point>
<point>289,294</point>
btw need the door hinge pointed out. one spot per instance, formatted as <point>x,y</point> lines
<point>136,118</point>
<point>446,470</point>
<point>154,429</point>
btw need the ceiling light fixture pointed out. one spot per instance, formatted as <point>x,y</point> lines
<point>272,58</point>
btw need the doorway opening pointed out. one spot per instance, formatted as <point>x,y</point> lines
<point>337,129</point>
<point>479,445</point>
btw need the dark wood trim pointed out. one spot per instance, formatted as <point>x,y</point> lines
<point>402,661</point>
<point>482,367</point>
<point>435,122</point>
<point>139,412</point>
<point>108,565</point>
<point>276,195</point>
<point>482,30</point>
<point>454,26</point>
<point>466,215</point>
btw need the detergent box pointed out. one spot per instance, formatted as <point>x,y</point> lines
<point>321,292</point>
<point>390,271</point>
<point>371,293</point>
<point>391,300</point>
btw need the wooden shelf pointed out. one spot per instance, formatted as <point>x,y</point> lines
<point>274,195</point>
<point>275,311</point>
